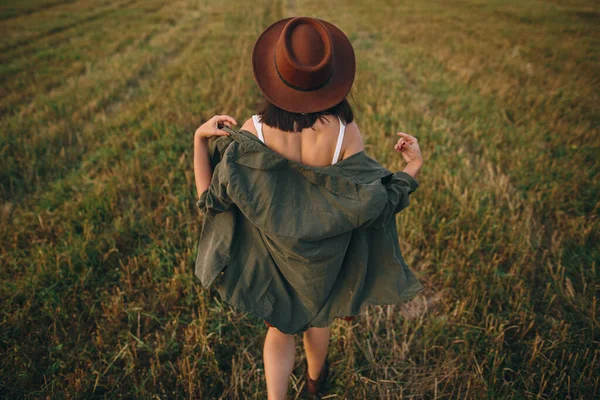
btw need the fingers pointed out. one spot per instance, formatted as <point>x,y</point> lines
<point>401,145</point>
<point>398,145</point>
<point>225,119</point>
<point>409,138</point>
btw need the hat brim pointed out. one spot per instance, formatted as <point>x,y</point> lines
<point>290,99</point>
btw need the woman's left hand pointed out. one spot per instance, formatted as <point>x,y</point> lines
<point>212,127</point>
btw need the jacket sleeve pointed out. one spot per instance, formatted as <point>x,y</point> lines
<point>399,186</point>
<point>215,199</point>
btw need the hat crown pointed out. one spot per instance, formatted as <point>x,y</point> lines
<point>303,64</point>
<point>304,54</point>
<point>306,45</point>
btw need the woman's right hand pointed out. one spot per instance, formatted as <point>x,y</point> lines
<point>409,147</point>
<point>212,127</point>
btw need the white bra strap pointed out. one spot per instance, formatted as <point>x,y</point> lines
<point>338,146</point>
<point>258,127</point>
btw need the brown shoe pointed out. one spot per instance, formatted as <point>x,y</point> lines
<point>316,387</point>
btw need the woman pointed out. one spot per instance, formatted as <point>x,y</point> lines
<point>299,225</point>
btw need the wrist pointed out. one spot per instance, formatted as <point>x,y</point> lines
<point>199,138</point>
<point>413,167</point>
<point>416,163</point>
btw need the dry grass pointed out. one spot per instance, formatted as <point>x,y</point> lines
<point>99,101</point>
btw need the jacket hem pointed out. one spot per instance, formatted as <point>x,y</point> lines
<point>406,296</point>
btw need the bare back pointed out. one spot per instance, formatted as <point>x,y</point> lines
<point>314,147</point>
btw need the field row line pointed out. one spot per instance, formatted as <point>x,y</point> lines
<point>5,50</point>
<point>43,7</point>
<point>17,94</point>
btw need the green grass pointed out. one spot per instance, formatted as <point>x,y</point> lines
<point>98,104</point>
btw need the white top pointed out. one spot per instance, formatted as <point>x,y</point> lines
<point>338,146</point>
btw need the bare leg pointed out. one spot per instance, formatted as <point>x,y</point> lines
<point>278,355</point>
<point>316,343</point>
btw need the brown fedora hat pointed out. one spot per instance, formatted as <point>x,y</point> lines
<point>303,64</point>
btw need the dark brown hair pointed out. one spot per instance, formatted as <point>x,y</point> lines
<point>287,121</point>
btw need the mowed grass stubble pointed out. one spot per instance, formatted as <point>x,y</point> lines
<point>99,102</point>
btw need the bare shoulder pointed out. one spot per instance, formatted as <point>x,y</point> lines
<point>249,126</point>
<point>353,142</point>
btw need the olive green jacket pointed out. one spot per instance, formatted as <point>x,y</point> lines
<point>298,245</point>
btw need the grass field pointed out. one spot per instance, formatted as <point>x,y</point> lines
<point>99,101</point>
